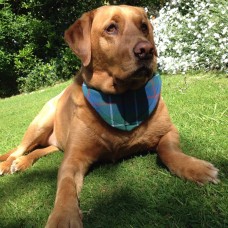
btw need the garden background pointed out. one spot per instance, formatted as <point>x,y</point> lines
<point>190,35</point>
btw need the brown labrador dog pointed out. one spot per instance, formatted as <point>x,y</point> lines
<point>118,54</point>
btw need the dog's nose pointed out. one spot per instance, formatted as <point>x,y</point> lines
<point>143,50</point>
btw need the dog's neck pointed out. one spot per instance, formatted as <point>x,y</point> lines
<point>128,110</point>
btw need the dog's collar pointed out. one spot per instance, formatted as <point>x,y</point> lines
<point>128,110</point>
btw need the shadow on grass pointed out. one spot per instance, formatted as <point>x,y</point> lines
<point>172,203</point>
<point>26,197</point>
<point>133,199</point>
<point>169,203</point>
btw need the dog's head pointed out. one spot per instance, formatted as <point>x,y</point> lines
<point>116,47</point>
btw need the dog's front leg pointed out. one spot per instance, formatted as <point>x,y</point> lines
<point>182,165</point>
<point>66,212</point>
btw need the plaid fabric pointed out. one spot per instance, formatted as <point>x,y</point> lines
<point>128,110</point>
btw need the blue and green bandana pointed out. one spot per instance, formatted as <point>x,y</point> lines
<point>128,110</point>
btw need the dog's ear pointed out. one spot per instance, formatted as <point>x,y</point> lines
<point>78,37</point>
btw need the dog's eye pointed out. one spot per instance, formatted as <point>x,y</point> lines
<point>112,29</point>
<point>144,27</point>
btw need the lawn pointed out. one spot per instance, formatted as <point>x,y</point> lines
<point>137,192</point>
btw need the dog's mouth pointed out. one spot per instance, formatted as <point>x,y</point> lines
<point>142,74</point>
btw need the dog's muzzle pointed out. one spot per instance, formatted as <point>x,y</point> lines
<point>143,50</point>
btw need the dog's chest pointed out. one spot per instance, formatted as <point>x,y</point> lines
<point>117,146</point>
<point>109,143</point>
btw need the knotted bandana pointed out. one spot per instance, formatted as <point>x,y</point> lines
<point>128,110</point>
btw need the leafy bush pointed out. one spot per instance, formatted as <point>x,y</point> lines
<point>66,63</point>
<point>40,76</point>
<point>31,40</point>
<point>192,35</point>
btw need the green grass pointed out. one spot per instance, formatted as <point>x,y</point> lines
<point>137,192</point>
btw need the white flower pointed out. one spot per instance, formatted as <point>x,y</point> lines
<point>203,5</point>
<point>224,31</point>
<point>212,47</point>
<point>210,24</point>
<point>222,46</point>
<point>195,12</point>
<point>194,46</point>
<point>216,35</point>
<point>196,18</point>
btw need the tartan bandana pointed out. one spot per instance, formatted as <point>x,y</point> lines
<point>128,110</point>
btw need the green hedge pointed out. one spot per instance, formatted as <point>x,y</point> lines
<point>32,50</point>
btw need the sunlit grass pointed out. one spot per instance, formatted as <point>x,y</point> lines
<point>136,192</point>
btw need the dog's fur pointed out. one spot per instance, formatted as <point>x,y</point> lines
<point>116,47</point>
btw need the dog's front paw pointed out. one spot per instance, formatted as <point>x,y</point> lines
<point>20,164</point>
<point>197,170</point>
<point>64,219</point>
<point>5,167</point>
